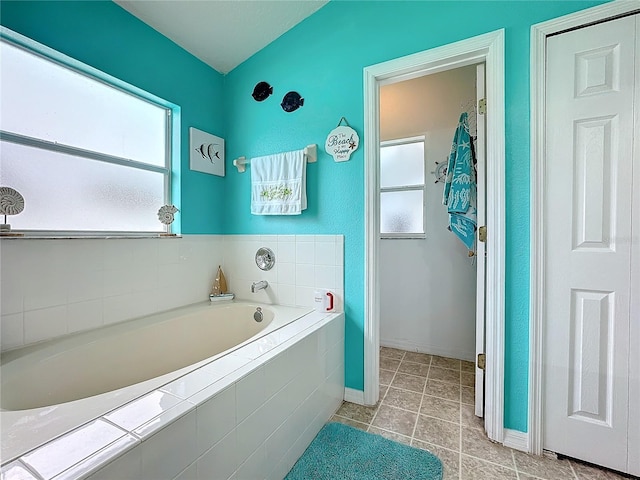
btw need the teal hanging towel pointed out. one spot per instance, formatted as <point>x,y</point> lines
<point>460,186</point>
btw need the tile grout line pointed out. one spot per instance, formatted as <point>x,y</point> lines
<point>430,416</point>
<point>573,470</point>
<point>431,395</point>
<point>380,400</point>
<point>483,460</point>
<point>513,459</point>
<point>350,419</point>
<point>395,433</point>
<point>424,388</point>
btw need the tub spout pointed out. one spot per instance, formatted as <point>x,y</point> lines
<point>261,285</point>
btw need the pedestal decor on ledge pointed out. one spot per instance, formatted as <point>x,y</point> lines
<point>11,203</point>
<point>166,216</point>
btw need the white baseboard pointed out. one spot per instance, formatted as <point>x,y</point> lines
<point>430,349</point>
<point>354,396</point>
<point>516,440</point>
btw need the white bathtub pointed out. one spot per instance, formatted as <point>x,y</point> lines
<point>53,388</point>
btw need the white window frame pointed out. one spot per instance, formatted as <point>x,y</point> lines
<point>172,112</point>
<point>407,188</point>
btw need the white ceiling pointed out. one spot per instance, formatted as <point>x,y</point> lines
<point>222,33</point>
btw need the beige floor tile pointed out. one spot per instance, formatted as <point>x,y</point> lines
<point>543,467</point>
<point>444,375</point>
<point>450,459</point>
<point>403,399</point>
<point>439,432</point>
<point>356,412</point>
<point>445,362</point>
<point>448,391</point>
<point>467,379</point>
<point>391,353</point>
<point>395,420</point>
<point>468,395</point>
<point>383,392</point>
<point>396,437</point>
<point>476,444</point>
<point>440,408</point>
<point>389,363</point>
<point>419,369</point>
<point>469,419</point>
<point>416,357</point>
<point>476,469</point>
<point>588,472</point>
<point>409,382</point>
<point>351,423</point>
<point>467,366</point>
<point>386,376</point>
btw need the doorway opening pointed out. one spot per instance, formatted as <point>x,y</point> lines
<point>487,49</point>
<point>427,273</point>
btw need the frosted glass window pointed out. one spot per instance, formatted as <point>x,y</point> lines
<point>402,188</point>
<point>402,165</point>
<point>87,152</point>
<point>97,196</point>
<point>401,212</point>
<point>45,100</point>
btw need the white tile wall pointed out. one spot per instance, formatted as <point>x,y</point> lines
<point>50,288</point>
<point>303,264</point>
<point>168,452</point>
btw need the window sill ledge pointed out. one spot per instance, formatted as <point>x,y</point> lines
<point>26,236</point>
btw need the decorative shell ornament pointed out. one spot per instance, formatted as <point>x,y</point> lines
<point>11,203</point>
<point>166,215</point>
<point>342,141</point>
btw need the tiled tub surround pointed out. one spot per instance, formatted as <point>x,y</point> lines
<point>303,264</point>
<point>52,288</point>
<point>249,414</point>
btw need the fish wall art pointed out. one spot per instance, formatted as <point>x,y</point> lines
<point>206,152</point>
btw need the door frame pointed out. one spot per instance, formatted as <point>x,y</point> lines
<point>539,34</point>
<point>487,48</point>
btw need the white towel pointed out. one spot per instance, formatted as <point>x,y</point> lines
<point>279,184</point>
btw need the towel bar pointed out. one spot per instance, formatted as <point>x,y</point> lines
<point>310,154</point>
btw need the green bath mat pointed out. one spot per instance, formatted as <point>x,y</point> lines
<point>340,452</point>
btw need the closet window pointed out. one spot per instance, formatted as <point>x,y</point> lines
<point>402,188</point>
<point>88,152</point>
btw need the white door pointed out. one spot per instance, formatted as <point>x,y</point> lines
<point>481,180</point>
<point>591,255</point>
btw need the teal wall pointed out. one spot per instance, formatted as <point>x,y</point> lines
<point>104,36</point>
<point>322,58</point>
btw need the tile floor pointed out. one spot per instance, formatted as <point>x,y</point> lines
<point>427,402</point>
